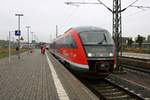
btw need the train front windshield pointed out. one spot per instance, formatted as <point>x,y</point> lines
<point>97,43</point>
<point>96,37</point>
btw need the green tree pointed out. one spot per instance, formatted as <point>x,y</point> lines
<point>130,41</point>
<point>140,40</point>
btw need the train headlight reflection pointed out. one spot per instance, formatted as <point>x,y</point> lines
<point>90,55</point>
<point>115,66</point>
<point>110,54</point>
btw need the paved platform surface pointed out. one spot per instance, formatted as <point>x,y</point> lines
<point>136,55</point>
<point>30,78</point>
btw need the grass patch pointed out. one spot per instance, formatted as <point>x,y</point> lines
<point>138,50</point>
<point>5,53</point>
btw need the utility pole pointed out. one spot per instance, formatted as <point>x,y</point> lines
<point>50,38</point>
<point>32,36</point>
<point>56,31</point>
<point>19,15</point>
<point>28,37</point>
<point>117,32</point>
<point>36,38</point>
<point>9,45</point>
<point>32,41</point>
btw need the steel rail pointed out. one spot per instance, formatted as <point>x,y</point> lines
<point>101,89</point>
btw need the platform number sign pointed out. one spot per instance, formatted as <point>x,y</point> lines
<point>17,32</point>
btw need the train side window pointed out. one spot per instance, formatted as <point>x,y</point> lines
<point>60,42</point>
<point>70,43</point>
<point>73,45</point>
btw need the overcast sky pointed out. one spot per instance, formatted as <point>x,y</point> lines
<point>44,15</point>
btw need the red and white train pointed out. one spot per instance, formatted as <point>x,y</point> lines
<point>87,50</point>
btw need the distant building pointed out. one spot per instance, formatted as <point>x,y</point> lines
<point>125,40</point>
<point>145,44</point>
<point>148,38</point>
<point>5,43</point>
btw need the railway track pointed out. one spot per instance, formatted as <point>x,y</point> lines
<point>136,68</point>
<point>138,63</point>
<point>107,90</point>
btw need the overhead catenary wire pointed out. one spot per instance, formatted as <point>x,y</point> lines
<point>140,7</point>
<point>100,2</point>
<point>68,19</point>
<point>131,4</point>
<point>104,5</point>
<point>82,3</point>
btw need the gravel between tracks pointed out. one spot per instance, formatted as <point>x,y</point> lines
<point>140,83</point>
<point>137,77</point>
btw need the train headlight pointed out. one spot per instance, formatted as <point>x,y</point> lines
<point>111,54</point>
<point>89,54</point>
<point>115,66</point>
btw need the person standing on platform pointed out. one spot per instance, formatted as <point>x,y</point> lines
<point>17,50</point>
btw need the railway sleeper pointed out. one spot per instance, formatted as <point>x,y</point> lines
<point>109,90</point>
<point>114,93</point>
<point>105,88</point>
<point>101,85</point>
<point>120,97</point>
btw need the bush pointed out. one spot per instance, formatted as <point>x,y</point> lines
<point>137,50</point>
<point>4,51</point>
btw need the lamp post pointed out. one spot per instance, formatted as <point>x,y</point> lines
<point>9,48</point>
<point>28,37</point>
<point>32,36</point>
<point>56,31</point>
<point>33,39</point>
<point>36,38</point>
<point>19,15</point>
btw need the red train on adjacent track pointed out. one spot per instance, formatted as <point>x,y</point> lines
<point>87,50</point>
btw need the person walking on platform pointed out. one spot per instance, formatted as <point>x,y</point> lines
<point>41,50</point>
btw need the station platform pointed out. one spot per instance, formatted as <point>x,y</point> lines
<point>39,77</point>
<point>136,55</point>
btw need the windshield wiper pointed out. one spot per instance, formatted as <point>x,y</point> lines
<point>101,42</point>
<point>104,39</point>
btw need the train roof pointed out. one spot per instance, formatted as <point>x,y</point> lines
<point>88,28</point>
<point>82,29</point>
